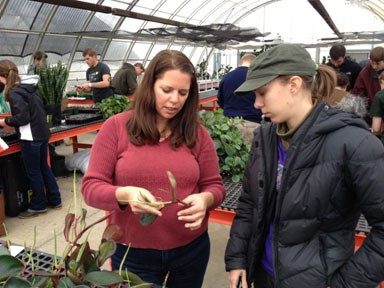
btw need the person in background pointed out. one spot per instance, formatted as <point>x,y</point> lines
<point>341,63</point>
<point>235,106</point>
<point>342,81</point>
<point>377,110</point>
<point>98,76</point>
<point>367,83</point>
<point>125,80</point>
<point>312,171</point>
<point>39,60</point>
<point>128,170</point>
<point>29,119</point>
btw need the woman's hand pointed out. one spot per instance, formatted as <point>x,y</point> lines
<point>2,123</point>
<point>235,276</point>
<point>195,213</point>
<point>140,200</point>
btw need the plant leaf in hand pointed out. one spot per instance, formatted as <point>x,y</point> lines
<point>147,218</point>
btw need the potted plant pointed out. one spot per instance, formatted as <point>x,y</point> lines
<point>232,151</point>
<point>113,105</point>
<point>79,266</point>
<point>53,80</point>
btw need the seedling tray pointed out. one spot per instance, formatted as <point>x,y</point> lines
<point>9,137</point>
<point>82,118</point>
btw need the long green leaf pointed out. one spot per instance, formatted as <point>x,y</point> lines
<point>104,278</point>
<point>15,282</point>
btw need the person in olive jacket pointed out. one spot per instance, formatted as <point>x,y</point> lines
<point>312,171</point>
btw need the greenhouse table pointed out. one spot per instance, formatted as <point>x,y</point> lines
<point>62,132</point>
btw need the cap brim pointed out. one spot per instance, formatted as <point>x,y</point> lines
<point>252,84</point>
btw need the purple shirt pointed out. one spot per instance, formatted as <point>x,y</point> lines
<point>267,259</point>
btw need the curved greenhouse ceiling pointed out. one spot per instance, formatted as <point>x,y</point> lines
<point>135,30</point>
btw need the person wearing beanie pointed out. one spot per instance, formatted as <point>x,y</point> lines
<point>312,171</point>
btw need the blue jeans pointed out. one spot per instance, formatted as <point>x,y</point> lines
<point>186,265</point>
<point>43,183</point>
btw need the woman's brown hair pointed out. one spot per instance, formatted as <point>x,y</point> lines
<point>322,85</point>
<point>142,127</point>
<point>9,71</point>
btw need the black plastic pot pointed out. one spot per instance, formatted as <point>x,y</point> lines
<point>53,113</point>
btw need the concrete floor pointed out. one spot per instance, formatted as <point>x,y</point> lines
<point>22,231</point>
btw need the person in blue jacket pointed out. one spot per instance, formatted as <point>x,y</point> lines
<point>28,117</point>
<point>235,106</point>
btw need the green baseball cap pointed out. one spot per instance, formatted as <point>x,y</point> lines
<point>284,59</point>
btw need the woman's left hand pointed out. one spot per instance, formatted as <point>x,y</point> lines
<point>195,213</point>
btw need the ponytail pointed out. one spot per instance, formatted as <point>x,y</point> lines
<point>324,83</point>
<point>9,71</point>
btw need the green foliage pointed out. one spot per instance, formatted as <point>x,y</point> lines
<point>232,151</point>
<point>82,265</point>
<point>219,74</point>
<point>113,105</point>
<point>259,50</point>
<point>202,70</point>
<point>52,82</point>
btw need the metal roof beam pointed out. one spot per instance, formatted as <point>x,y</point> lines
<point>113,11</point>
<point>319,7</point>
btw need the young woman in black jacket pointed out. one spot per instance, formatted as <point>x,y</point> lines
<point>29,119</point>
<point>311,173</point>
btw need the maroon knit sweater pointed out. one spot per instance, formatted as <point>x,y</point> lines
<point>115,162</point>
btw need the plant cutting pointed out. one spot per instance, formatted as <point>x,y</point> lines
<point>232,151</point>
<point>148,218</point>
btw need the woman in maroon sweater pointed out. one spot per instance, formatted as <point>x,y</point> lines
<point>129,162</point>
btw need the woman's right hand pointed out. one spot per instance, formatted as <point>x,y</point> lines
<point>140,200</point>
<point>235,276</point>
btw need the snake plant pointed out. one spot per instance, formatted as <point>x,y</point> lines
<point>52,82</point>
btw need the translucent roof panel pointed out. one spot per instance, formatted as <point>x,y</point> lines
<point>102,22</point>
<point>117,50</point>
<point>68,20</point>
<point>15,43</point>
<point>343,12</point>
<point>19,14</point>
<point>131,25</point>
<point>64,32</point>
<point>188,51</point>
<point>139,51</point>
<point>156,49</point>
<point>96,44</point>
<point>57,44</point>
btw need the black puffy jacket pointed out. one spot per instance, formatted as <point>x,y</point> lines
<point>334,170</point>
<point>27,107</point>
